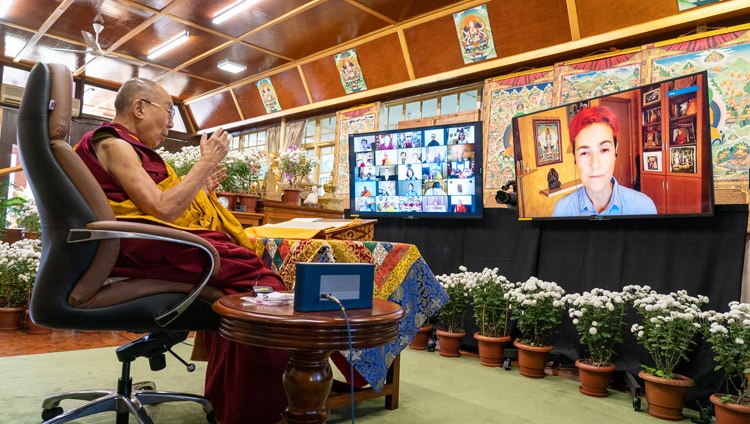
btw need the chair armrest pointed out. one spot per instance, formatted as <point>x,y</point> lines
<point>102,230</point>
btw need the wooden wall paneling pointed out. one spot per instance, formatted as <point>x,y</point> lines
<point>416,123</point>
<point>433,47</point>
<point>382,62</point>
<point>522,26</point>
<point>595,17</point>
<point>214,110</point>
<point>323,78</point>
<point>457,117</point>
<point>290,90</point>
<point>249,100</point>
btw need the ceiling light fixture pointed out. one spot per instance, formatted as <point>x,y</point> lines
<point>231,10</point>
<point>169,45</point>
<point>233,67</point>
<point>4,6</point>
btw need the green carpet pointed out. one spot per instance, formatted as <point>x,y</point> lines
<point>434,389</point>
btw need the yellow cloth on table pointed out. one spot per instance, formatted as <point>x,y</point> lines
<point>283,232</point>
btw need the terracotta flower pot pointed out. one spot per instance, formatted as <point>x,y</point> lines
<point>292,195</point>
<point>450,343</point>
<point>250,201</point>
<point>594,380</point>
<point>729,412</point>
<point>419,342</point>
<point>491,349</point>
<point>11,318</point>
<point>532,360</point>
<point>227,199</point>
<point>666,397</point>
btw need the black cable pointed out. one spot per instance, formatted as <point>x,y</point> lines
<point>332,298</point>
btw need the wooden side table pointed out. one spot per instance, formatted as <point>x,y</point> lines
<point>310,337</point>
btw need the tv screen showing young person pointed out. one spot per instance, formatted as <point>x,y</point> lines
<point>417,172</point>
<point>643,152</point>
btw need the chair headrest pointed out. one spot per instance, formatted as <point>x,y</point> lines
<point>61,101</point>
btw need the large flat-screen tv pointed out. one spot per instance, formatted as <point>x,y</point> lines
<point>430,171</point>
<point>643,152</point>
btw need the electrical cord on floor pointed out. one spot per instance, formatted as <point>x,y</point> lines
<point>332,298</point>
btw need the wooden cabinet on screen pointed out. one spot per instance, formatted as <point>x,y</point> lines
<point>675,167</point>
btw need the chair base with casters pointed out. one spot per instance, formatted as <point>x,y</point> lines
<point>129,398</point>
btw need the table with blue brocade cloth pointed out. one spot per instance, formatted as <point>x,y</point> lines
<point>401,276</point>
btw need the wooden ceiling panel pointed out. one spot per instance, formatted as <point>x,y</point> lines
<point>183,86</point>
<point>323,79</point>
<point>215,110</point>
<point>13,40</point>
<point>382,61</point>
<point>118,20</point>
<point>256,61</point>
<point>322,27</point>
<point>19,12</point>
<point>109,71</point>
<point>594,19</point>
<point>433,47</point>
<point>154,4</point>
<point>518,27</point>
<point>163,29</point>
<point>289,89</point>
<point>49,49</point>
<point>249,100</point>
<point>401,10</point>
<point>258,14</point>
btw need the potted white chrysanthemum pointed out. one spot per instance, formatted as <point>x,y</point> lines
<point>728,333</point>
<point>598,316</point>
<point>19,263</point>
<point>669,323</point>
<point>243,173</point>
<point>491,314</point>
<point>183,161</point>
<point>536,306</point>
<point>451,315</point>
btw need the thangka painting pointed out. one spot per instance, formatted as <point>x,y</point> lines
<point>596,77</point>
<point>351,121</point>
<point>689,4</point>
<point>726,58</point>
<point>509,97</point>
<point>474,34</point>
<point>350,71</point>
<point>268,95</point>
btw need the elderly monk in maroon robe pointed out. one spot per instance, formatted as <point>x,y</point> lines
<point>244,383</point>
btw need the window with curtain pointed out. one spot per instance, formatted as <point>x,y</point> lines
<point>319,140</point>
<point>460,99</point>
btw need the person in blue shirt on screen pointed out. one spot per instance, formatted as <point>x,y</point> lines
<point>593,134</point>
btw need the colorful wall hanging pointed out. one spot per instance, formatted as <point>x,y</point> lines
<point>350,71</point>
<point>474,34</point>
<point>268,95</point>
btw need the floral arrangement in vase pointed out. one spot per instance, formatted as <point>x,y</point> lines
<point>491,307</point>
<point>183,161</point>
<point>728,334</point>
<point>536,306</point>
<point>19,263</point>
<point>458,286</point>
<point>243,170</point>
<point>295,165</point>
<point>668,325</point>
<point>598,316</point>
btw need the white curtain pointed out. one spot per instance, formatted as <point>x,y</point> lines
<point>293,135</point>
<point>272,138</point>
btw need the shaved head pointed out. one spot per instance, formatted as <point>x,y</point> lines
<point>134,89</point>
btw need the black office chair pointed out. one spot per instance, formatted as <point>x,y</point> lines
<point>80,243</point>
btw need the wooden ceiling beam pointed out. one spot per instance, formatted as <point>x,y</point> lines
<point>43,29</point>
<point>575,28</point>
